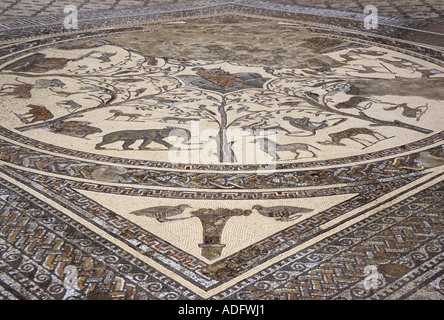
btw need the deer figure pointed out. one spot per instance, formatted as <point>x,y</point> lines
<point>351,134</point>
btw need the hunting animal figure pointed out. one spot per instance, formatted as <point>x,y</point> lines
<point>410,112</point>
<point>161,213</point>
<point>23,89</point>
<point>118,113</point>
<point>306,124</point>
<point>129,137</point>
<point>353,102</point>
<point>218,76</point>
<point>271,148</point>
<point>40,63</point>
<point>20,91</point>
<point>261,126</point>
<point>282,213</point>
<point>351,134</point>
<point>37,113</point>
<point>79,129</point>
<point>179,120</point>
<point>70,105</point>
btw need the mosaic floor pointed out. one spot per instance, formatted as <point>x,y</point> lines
<point>221,150</point>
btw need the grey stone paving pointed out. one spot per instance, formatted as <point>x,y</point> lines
<point>421,10</point>
<point>407,9</point>
<point>110,12</point>
<point>30,18</point>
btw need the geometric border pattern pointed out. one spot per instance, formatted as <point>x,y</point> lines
<point>38,240</point>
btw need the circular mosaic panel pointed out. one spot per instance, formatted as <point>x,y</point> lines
<point>199,93</point>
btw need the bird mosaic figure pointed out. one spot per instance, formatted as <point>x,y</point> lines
<point>282,213</point>
<point>161,213</point>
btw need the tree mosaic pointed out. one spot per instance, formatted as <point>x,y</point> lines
<point>77,88</point>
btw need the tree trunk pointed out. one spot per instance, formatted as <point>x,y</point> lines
<point>225,152</point>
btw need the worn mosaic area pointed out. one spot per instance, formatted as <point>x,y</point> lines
<point>226,157</point>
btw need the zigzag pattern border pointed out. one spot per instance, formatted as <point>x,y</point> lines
<point>279,242</point>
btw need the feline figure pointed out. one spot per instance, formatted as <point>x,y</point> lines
<point>129,137</point>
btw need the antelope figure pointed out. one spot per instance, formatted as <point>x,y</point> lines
<point>351,134</point>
